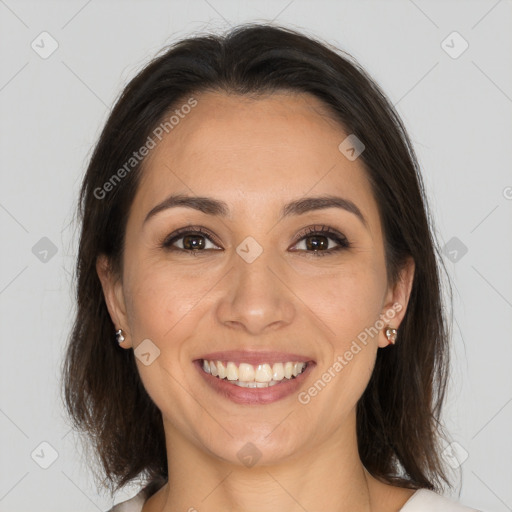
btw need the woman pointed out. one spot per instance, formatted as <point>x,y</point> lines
<point>255,235</point>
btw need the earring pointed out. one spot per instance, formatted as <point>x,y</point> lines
<point>119,336</point>
<point>391,335</point>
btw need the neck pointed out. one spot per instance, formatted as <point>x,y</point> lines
<point>328,477</point>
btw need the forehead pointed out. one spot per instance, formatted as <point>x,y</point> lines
<point>236,127</point>
<point>253,152</point>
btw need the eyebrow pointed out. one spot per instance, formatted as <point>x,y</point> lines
<point>211,206</point>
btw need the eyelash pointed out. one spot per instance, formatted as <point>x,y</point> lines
<point>341,240</point>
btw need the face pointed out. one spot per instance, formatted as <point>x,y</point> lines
<point>250,280</point>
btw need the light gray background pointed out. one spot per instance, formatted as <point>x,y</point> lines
<point>457,111</point>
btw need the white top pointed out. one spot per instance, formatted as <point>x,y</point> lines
<point>422,500</point>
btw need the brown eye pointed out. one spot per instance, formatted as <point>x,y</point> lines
<point>318,243</point>
<point>189,240</point>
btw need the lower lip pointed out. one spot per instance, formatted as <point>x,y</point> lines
<point>255,396</point>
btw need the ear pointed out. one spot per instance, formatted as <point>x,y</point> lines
<point>396,301</point>
<point>114,297</point>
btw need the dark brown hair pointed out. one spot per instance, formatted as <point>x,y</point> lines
<point>398,416</point>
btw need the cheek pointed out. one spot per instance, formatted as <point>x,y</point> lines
<point>348,301</point>
<point>161,308</point>
<point>351,309</point>
<point>159,298</point>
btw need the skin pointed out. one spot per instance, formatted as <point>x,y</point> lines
<point>257,155</point>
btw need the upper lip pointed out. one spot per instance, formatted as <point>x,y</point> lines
<point>256,357</point>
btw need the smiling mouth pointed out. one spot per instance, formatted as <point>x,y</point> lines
<point>247,375</point>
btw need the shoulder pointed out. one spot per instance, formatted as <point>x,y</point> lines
<point>424,500</point>
<point>132,505</point>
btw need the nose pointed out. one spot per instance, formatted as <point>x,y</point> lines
<point>257,297</point>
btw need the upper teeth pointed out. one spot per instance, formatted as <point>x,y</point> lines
<point>246,372</point>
